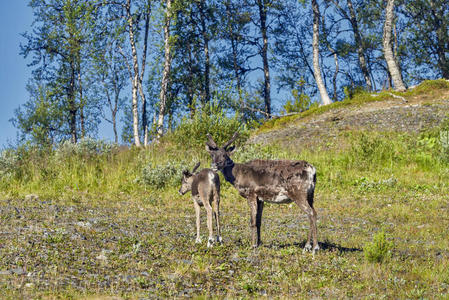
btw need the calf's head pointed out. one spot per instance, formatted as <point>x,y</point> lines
<point>187,180</point>
<point>220,155</point>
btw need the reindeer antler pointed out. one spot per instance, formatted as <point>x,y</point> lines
<point>196,167</point>
<point>211,143</point>
<point>233,138</point>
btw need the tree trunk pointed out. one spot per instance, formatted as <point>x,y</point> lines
<point>114,108</point>
<point>266,68</point>
<point>82,103</point>
<point>359,45</point>
<point>206,96</point>
<point>393,68</point>
<point>142,72</point>
<point>441,36</point>
<point>234,57</point>
<point>334,78</point>
<point>72,104</point>
<point>316,54</point>
<point>135,80</point>
<point>190,93</point>
<point>166,72</point>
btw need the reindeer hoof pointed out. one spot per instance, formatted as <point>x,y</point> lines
<point>219,239</point>
<point>315,249</point>
<point>198,241</point>
<point>255,246</point>
<point>307,248</point>
<point>210,242</point>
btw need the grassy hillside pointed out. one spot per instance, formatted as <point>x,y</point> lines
<point>109,221</point>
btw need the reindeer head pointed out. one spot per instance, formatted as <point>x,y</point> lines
<point>187,180</point>
<point>220,155</point>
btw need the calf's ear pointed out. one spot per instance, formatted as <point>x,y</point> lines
<point>186,173</point>
<point>210,149</point>
<point>230,150</point>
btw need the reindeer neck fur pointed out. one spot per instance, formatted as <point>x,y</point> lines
<point>228,173</point>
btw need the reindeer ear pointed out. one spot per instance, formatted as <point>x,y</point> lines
<point>196,167</point>
<point>210,142</point>
<point>210,149</point>
<point>186,173</point>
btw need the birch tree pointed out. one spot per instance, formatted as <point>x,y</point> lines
<point>166,71</point>
<point>263,8</point>
<point>316,54</point>
<point>392,65</point>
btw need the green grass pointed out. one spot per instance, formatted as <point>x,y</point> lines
<point>101,229</point>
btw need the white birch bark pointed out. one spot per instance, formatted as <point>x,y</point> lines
<point>135,77</point>
<point>166,72</point>
<point>392,65</point>
<point>316,55</point>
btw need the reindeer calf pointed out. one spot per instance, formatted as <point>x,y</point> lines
<point>205,187</point>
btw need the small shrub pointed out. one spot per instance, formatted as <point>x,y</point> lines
<point>251,152</point>
<point>160,176</point>
<point>213,120</point>
<point>9,163</point>
<point>379,249</point>
<point>365,184</point>
<point>352,92</point>
<point>86,148</point>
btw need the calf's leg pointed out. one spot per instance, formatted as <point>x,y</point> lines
<point>197,213</point>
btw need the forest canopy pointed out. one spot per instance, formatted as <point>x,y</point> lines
<point>145,66</point>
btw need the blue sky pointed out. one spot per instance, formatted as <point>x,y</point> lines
<point>15,18</point>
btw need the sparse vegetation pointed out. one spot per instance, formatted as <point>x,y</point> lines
<point>110,222</point>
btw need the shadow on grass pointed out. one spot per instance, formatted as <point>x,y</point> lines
<point>324,246</point>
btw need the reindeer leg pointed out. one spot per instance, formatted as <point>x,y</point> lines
<point>313,228</point>
<point>206,203</point>
<point>260,205</point>
<point>252,202</point>
<point>197,213</point>
<point>313,220</point>
<point>216,207</point>
<point>301,199</point>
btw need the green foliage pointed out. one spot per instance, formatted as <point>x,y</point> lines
<point>379,250</point>
<point>301,101</point>
<point>213,120</point>
<point>425,31</point>
<point>9,163</point>
<point>250,152</point>
<point>161,176</point>
<point>85,148</point>
<point>353,92</point>
<point>41,118</point>
<point>435,143</point>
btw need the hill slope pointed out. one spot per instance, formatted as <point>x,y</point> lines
<point>395,115</point>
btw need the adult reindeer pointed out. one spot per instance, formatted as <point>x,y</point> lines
<point>274,181</point>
